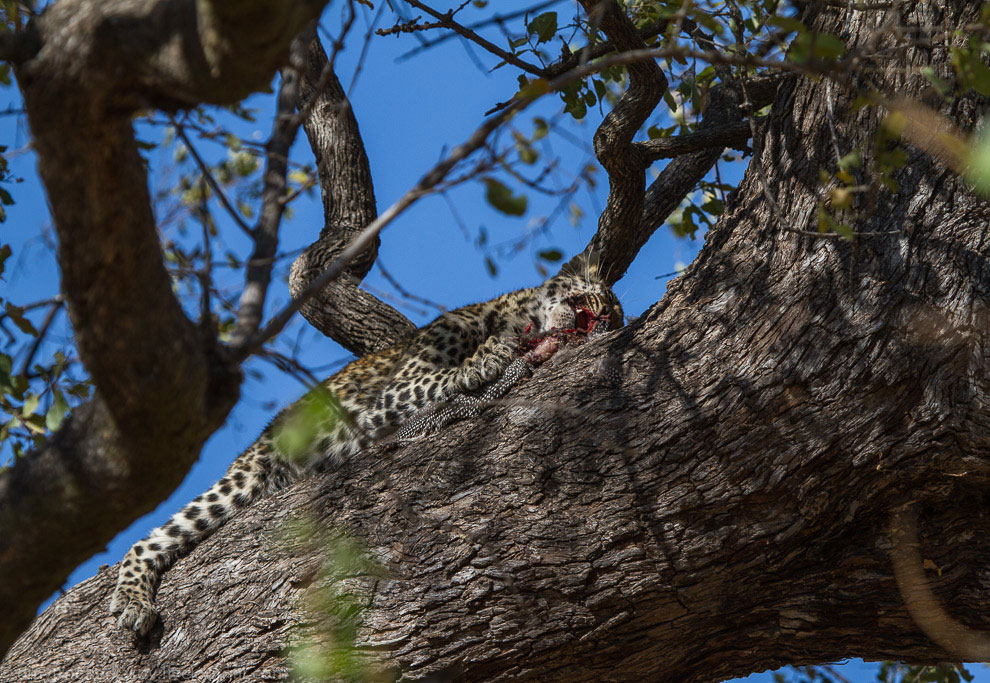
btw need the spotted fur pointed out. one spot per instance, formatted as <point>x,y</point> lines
<point>453,364</point>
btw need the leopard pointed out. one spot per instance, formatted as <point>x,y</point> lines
<point>447,370</point>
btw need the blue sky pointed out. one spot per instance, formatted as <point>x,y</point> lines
<point>409,112</point>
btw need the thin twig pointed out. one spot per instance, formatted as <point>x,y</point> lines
<point>42,333</point>
<point>405,293</point>
<point>205,274</point>
<point>446,20</point>
<point>206,173</point>
<point>496,19</point>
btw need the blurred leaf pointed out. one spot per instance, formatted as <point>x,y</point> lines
<point>501,198</point>
<point>16,314</point>
<point>787,24</point>
<point>850,160</point>
<point>56,413</point>
<point>30,404</point>
<point>713,206</point>
<point>544,27</point>
<point>808,46</point>
<point>978,169</point>
<point>552,255</point>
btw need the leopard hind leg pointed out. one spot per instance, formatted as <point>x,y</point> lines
<point>254,472</point>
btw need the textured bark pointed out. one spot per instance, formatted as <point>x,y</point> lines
<point>700,495</point>
<point>163,386</point>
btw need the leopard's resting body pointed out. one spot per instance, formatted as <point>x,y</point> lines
<point>456,356</point>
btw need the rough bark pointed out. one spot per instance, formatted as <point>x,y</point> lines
<point>163,386</point>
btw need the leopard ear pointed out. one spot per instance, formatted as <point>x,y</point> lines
<point>586,264</point>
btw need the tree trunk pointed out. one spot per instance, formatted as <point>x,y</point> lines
<point>703,494</point>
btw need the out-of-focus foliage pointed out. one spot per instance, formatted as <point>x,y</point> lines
<point>333,606</point>
<point>887,672</point>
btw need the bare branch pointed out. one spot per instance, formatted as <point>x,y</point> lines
<point>498,19</point>
<point>56,306</point>
<point>593,51</point>
<point>446,20</point>
<point>733,135</point>
<point>265,234</point>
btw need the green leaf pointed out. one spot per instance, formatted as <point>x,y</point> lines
<point>35,423</point>
<point>502,199</point>
<point>850,160</point>
<point>301,428</point>
<point>56,413</point>
<point>823,46</point>
<point>980,77</point>
<point>490,265</point>
<point>30,404</point>
<point>5,252</point>
<point>540,128</point>
<point>788,24</point>
<point>543,27</point>
<point>552,255</point>
<point>978,169</point>
<point>16,314</point>
<point>713,206</point>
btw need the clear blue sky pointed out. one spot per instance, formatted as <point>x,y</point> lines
<point>409,112</point>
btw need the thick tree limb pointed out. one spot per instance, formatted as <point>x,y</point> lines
<point>719,474</point>
<point>354,318</point>
<point>162,388</point>
<point>732,135</point>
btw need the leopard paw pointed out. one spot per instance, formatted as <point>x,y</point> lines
<point>134,608</point>
<point>487,364</point>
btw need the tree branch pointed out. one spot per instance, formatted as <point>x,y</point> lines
<point>732,135</point>
<point>162,388</point>
<point>251,307</point>
<point>354,318</point>
<point>624,163</point>
<point>446,20</point>
<point>730,458</point>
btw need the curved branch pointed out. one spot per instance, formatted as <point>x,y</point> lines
<point>966,643</point>
<point>623,241</point>
<point>356,319</point>
<point>624,163</point>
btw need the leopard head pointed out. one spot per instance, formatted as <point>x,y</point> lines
<point>578,301</point>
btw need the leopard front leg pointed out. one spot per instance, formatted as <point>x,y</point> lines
<point>458,406</point>
<point>486,365</point>
<point>133,598</point>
